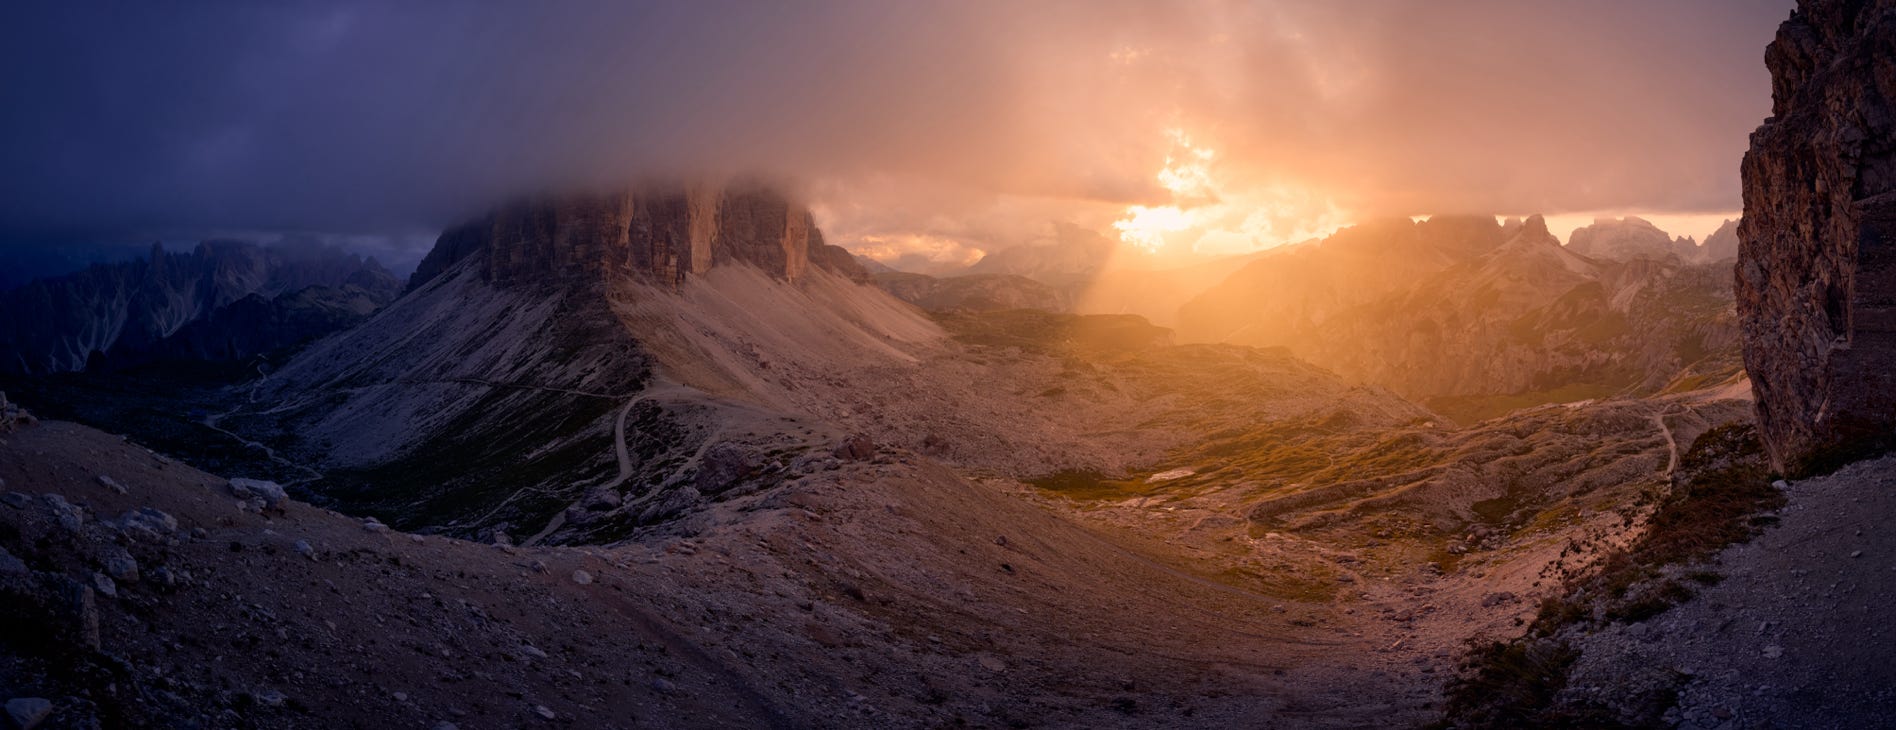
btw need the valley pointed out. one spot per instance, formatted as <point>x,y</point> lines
<point>949,365</point>
<point>791,500</point>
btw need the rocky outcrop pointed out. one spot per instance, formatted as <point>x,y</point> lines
<point>1816,277</point>
<point>125,311</point>
<point>660,233</point>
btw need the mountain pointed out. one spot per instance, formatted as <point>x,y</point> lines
<point>582,369</point>
<point>1073,255</point>
<point>1452,315</point>
<point>1722,245</point>
<point>973,292</point>
<point>694,435</point>
<point>1816,275</point>
<point>1629,238</point>
<point>1096,275</point>
<point>873,266</point>
<point>533,335</point>
<point>126,312</point>
<point>1294,290</point>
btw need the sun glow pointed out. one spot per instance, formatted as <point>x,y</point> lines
<point>1147,227</point>
<point>1206,215</point>
<point>1187,176</point>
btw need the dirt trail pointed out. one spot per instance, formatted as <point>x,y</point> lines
<point>1672,445</point>
<point>619,452</point>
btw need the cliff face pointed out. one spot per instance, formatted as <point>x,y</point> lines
<point>126,311</point>
<point>1816,276</point>
<point>662,234</point>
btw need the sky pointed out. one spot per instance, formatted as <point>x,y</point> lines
<point>932,130</point>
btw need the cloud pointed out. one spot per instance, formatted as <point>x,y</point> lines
<point>958,125</point>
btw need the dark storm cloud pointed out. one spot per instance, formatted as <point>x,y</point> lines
<point>391,118</point>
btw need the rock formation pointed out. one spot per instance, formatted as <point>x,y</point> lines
<point>663,233</point>
<point>1629,238</point>
<point>123,312</point>
<point>1816,278</point>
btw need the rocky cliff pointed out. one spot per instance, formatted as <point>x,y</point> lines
<point>1816,278</point>
<point>661,233</point>
<point>123,312</point>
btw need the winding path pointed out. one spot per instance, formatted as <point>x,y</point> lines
<point>1672,444</point>
<point>619,450</point>
<point>250,396</point>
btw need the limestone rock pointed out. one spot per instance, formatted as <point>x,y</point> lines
<point>1816,275</point>
<point>1626,239</point>
<point>856,448</point>
<point>149,523</point>
<point>69,515</point>
<point>28,712</point>
<point>270,492</point>
<point>663,233</point>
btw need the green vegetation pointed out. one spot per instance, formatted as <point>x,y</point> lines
<point>1033,330</point>
<point>1472,409</point>
<point>1091,485</point>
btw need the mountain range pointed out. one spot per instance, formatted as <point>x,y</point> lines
<point>1475,317</point>
<point>222,301</point>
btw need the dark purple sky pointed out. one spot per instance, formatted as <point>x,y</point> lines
<point>938,128</point>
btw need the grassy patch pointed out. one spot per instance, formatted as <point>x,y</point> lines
<point>1090,485</point>
<point>1472,409</point>
<point>1033,330</point>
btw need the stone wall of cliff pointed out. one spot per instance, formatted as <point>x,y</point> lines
<point>1816,276</point>
<point>661,233</point>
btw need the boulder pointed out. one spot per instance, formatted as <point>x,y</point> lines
<point>725,465</point>
<point>10,565</point>
<point>113,484</point>
<point>271,493</point>
<point>149,523</point>
<point>28,712</point>
<point>120,567</point>
<point>855,448</point>
<point>69,515</point>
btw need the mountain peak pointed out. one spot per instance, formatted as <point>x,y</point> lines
<point>1534,227</point>
<point>663,233</point>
